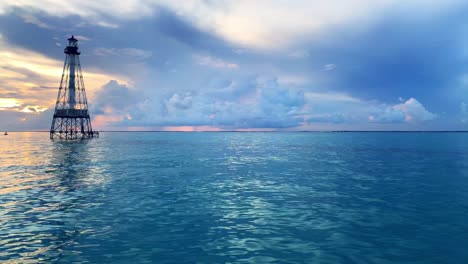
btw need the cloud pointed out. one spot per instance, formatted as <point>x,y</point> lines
<point>130,52</point>
<point>246,23</point>
<point>180,101</point>
<point>179,65</point>
<point>115,98</point>
<point>12,120</point>
<point>329,67</point>
<point>265,105</point>
<point>331,97</point>
<point>409,111</point>
<point>82,38</point>
<point>299,54</point>
<point>113,104</point>
<point>33,78</point>
<point>98,13</point>
<point>414,111</point>
<point>255,103</point>
<point>8,103</point>
<point>214,62</point>
<point>29,18</point>
<point>339,108</point>
<point>275,24</point>
<point>256,23</point>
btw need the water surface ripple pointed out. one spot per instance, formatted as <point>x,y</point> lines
<point>235,197</point>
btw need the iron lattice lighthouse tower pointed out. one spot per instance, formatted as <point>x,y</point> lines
<point>71,117</point>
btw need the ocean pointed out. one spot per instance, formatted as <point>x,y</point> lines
<point>167,197</point>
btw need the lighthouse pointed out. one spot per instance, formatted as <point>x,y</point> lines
<point>71,117</point>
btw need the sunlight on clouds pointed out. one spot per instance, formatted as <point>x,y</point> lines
<point>31,61</point>
<point>5,73</point>
<point>8,103</point>
<point>201,63</point>
<point>269,24</point>
<point>408,111</point>
<point>106,120</point>
<point>33,109</point>
<point>31,76</point>
<point>257,24</point>
<point>42,65</point>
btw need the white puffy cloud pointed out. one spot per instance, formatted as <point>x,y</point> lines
<point>251,104</point>
<point>177,101</point>
<point>263,104</point>
<point>258,103</point>
<point>409,111</point>
<point>114,98</point>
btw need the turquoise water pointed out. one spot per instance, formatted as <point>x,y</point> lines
<point>235,197</point>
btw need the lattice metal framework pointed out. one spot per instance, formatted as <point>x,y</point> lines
<point>71,117</point>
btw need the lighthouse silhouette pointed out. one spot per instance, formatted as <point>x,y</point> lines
<point>71,117</point>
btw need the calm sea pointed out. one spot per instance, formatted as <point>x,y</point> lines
<point>235,197</point>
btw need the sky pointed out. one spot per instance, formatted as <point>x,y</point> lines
<point>268,65</point>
